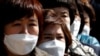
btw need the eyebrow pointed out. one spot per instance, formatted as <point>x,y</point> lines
<point>48,34</point>
<point>64,12</point>
<point>59,34</point>
<point>32,20</point>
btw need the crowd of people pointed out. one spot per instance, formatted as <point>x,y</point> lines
<point>48,28</point>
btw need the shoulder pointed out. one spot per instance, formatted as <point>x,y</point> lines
<point>40,52</point>
<point>81,49</point>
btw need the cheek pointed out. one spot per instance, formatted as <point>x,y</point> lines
<point>34,30</point>
<point>67,20</point>
<point>63,40</point>
<point>11,30</point>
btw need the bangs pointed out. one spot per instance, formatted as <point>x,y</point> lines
<point>10,12</point>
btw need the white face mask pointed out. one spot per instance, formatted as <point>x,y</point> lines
<point>20,44</point>
<point>54,47</point>
<point>75,27</point>
<point>86,30</point>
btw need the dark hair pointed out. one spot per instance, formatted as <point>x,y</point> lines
<point>84,5</point>
<point>53,3</point>
<point>73,9</point>
<point>11,10</point>
<point>70,4</point>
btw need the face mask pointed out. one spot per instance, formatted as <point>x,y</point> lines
<point>75,27</point>
<point>86,30</point>
<point>20,44</point>
<point>54,47</point>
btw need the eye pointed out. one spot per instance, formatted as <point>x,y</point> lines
<point>47,37</point>
<point>33,24</point>
<point>50,16</point>
<point>17,24</point>
<point>60,37</point>
<point>64,15</point>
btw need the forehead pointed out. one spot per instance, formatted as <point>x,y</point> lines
<point>60,10</point>
<point>54,27</point>
<point>30,18</point>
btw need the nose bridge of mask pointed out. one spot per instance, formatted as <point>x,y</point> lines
<point>58,43</point>
<point>54,47</point>
<point>54,42</point>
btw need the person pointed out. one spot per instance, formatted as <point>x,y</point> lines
<point>84,36</point>
<point>85,5</point>
<point>20,25</point>
<point>87,20</point>
<point>76,47</point>
<point>55,41</point>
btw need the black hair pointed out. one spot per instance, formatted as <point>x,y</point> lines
<point>86,6</point>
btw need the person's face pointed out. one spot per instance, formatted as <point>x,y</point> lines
<point>26,25</point>
<point>63,14</point>
<point>59,13</point>
<point>54,33</point>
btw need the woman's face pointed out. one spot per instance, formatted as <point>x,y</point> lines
<point>52,32</point>
<point>62,13</point>
<point>26,25</point>
<point>53,40</point>
<point>59,13</point>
